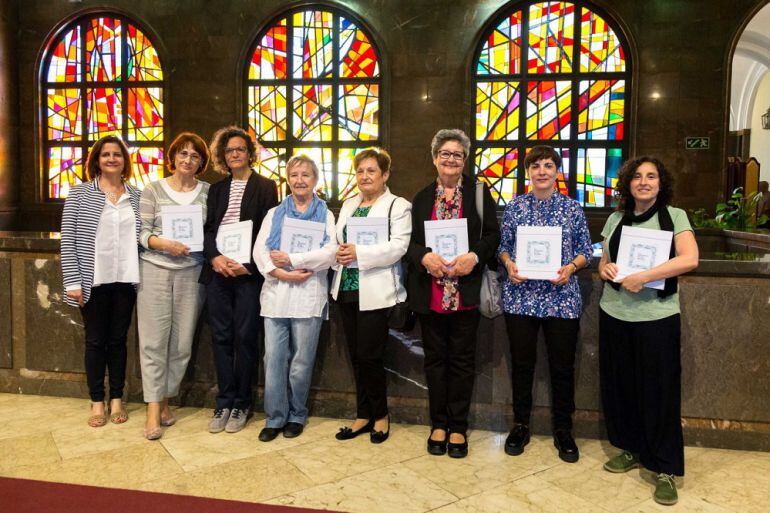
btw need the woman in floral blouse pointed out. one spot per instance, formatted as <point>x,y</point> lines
<point>555,305</point>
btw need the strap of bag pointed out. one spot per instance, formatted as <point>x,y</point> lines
<point>392,272</point>
<point>480,204</point>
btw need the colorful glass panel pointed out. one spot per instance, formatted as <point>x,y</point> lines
<point>104,112</point>
<point>597,172</point>
<point>269,58</point>
<point>267,112</point>
<point>501,53</point>
<point>147,165</point>
<point>135,114</point>
<point>145,114</point>
<point>551,37</point>
<point>143,61</point>
<point>313,45</point>
<point>601,105</point>
<point>497,111</point>
<point>498,167</point>
<point>65,63</point>
<point>600,48</point>
<point>346,173</point>
<point>103,50</point>
<point>272,165</point>
<point>562,179</point>
<point>63,115</point>
<point>357,56</point>
<point>312,112</point>
<point>65,170</point>
<point>549,109</point>
<point>359,106</point>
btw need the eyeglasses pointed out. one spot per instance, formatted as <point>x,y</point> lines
<point>451,155</point>
<point>240,150</point>
<point>184,155</point>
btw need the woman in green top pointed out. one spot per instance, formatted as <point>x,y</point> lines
<point>639,331</point>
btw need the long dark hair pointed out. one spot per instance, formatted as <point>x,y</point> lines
<point>626,201</point>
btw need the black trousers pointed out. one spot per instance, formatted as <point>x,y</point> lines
<point>367,335</point>
<point>449,342</point>
<point>233,306</point>
<point>561,341</point>
<point>106,319</point>
<point>641,373</point>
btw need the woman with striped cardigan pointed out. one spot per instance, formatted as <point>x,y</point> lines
<point>170,298</point>
<point>100,267</point>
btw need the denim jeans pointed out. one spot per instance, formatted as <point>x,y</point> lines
<point>290,346</point>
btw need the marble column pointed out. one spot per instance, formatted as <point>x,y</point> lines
<point>9,115</point>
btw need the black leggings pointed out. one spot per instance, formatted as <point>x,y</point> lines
<point>641,387</point>
<point>106,319</point>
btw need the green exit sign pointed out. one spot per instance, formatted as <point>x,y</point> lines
<point>696,143</point>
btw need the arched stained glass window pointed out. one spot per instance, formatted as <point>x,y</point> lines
<point>313,86</point>
<point>100,76</point>
<point>553,73</point>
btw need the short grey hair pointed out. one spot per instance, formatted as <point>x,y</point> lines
<point>301,158</point>
<point>450,134</point>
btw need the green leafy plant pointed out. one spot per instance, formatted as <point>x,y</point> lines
<point>737,213</point>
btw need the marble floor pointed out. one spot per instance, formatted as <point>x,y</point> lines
<point>47,438</point>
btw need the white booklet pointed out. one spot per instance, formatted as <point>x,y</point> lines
<point>298,236</point>
<point>448,238</point>
<point>366,231</point>
<point>641,249</point>
<point>183,223</point>
<point>538,252</point>
<point>234,241</point>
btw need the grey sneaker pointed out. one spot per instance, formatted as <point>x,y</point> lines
<point>237,420</point>
<point>219,420</point>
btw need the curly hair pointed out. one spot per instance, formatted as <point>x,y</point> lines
<point>626,201</point>
<point>219,143</point>
<point>450,134</point>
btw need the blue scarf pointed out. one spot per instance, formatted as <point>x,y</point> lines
<point>315,212</point>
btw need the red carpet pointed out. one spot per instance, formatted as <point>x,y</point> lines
<point>27,496</point>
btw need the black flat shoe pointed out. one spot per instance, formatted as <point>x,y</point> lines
<point>568,449</point>
<point>437,448</point>
<point>268,434</point>
<point>345,433</point>
<point>377,437</point>
<point>517,439</point>
<point>457,450</point>
<point>292,429</point>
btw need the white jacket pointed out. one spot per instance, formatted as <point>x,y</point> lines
<point>283,299</point>
<point>380,276</point>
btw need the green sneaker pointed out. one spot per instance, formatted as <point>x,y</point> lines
<point>665,490</point>
<point>623,462</point>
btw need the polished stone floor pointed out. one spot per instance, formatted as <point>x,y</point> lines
<point>47,438</point>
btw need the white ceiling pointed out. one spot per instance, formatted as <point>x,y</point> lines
<point>751,62</point>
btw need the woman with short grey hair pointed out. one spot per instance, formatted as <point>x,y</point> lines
<point>450,134</point>
<point>293,299</point>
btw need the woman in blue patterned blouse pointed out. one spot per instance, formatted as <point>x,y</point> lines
<point>555,305</point>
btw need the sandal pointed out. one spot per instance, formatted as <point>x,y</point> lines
<point>119,417</point>
<point>153,434</point>
<point>97,420</point>
<point>168,421</point>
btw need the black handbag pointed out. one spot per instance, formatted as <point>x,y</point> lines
<point>400,317</point>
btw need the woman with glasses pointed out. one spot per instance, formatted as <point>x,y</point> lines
<point>170,297</point>
<point>232,291</point>
<point>100,268</point>
<point>445,292</point>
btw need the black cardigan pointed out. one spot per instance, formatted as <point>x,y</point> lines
<point>418,280</point>
<point>260,195</point>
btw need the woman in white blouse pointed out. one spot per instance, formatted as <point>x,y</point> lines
<point>368,290</point>
<point>170,297</point>
<point>100,268</point>
<point>293,299</point>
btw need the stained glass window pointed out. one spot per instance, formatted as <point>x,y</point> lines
<point>553,73</point>
<point>313,86</point>
<point>100,76</point>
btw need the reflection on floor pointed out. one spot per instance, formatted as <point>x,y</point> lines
<point>47,438</point>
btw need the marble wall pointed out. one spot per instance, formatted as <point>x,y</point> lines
<point>725,382</point>
<point>680,51</point>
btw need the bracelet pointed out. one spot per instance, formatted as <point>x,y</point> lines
<point>575,265</point>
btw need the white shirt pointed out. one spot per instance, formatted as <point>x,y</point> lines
<point>181,198</point>
<point>116,256</point>
<point>282,299</point>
